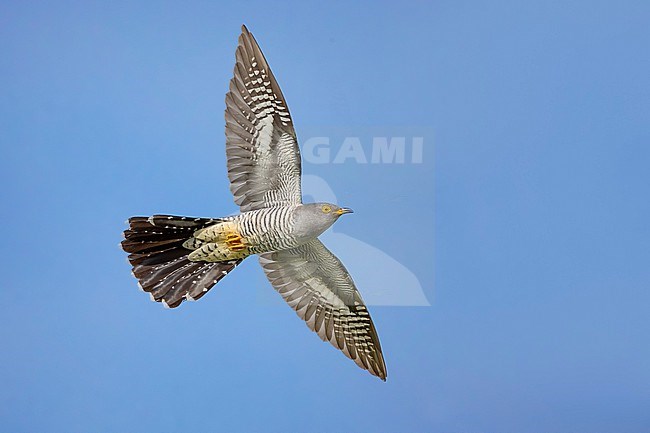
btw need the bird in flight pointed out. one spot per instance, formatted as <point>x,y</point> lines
<point>177,258</point>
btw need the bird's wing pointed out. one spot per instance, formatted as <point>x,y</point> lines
<point>261,145</point>
<point>319,288</point>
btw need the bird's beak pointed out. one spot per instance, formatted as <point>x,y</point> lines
<point>343,210</point>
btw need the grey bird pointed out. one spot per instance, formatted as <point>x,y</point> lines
<point>178,258</point>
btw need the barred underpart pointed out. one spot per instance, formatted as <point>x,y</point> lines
<point>269,229</point>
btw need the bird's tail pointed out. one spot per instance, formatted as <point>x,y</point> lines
<point>160,262</point>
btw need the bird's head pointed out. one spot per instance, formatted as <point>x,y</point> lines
<point>315,218</point>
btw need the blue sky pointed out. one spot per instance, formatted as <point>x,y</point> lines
<point>526,224</point>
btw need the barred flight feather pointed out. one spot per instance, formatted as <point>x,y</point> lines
<point>261,145</point>
<point>318,287</point>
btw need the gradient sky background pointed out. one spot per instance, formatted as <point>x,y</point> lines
<point>529,234</point>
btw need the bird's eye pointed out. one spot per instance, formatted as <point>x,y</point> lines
<point>326,209</point>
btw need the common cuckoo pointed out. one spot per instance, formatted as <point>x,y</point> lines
<point>178,258</point>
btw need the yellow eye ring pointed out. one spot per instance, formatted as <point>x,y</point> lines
<point>326,209</point>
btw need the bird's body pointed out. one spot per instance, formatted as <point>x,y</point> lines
<point>238,236</point>
<point>179,258</point>
<point>260,231</point>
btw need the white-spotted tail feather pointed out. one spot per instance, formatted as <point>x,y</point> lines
<point>161,264</point>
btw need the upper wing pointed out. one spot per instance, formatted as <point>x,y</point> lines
<point>261,145</point>
<point>316,284</point>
